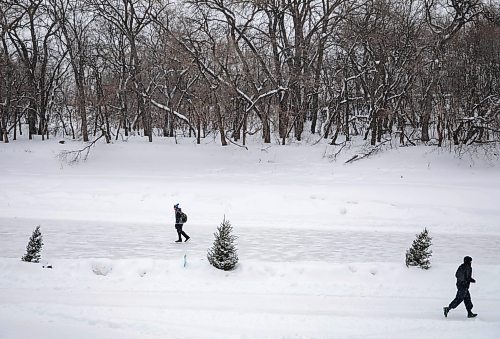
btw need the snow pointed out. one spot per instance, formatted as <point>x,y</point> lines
<point>321,243</point>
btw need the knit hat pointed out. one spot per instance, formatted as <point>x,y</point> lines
<point>467,260</point>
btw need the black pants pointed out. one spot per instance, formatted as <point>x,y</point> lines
<point>462,295</point>
<point>180,232</point>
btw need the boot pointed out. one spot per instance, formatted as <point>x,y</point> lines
<point>471,315</point>
<point>446,309</point>
<point>187,238</point>
<point>178,240</point>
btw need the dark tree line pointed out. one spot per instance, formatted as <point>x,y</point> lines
<point>409,70</point>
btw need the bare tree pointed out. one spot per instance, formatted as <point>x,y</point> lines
<point>133,18</point>
<point>406,70</point>
<point>75,25</point>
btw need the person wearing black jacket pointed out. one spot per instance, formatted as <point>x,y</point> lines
<point>464,278</point>
<point>179,222</point>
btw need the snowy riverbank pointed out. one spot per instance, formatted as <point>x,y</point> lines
<point>321,243</point>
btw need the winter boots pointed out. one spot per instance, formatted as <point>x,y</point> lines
<point>446,310</point>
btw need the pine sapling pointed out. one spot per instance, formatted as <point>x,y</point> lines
<point>419,253</point>
<point>223,254</point>
<point>34,247</point>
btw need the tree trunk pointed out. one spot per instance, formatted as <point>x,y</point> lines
<point>380,129</point>
<point>266,130</point>
<point>298,112</point>
<point>440,130</point>
<point>32,119</point>
<point>244,129</point>
<point>3,129</point>
<point>283,116</point>
<point>15,124</point>
<point>426,116</point>
<point>220,122</point>
<point>374,128</point>
<point>347,137</point>
<point>82,112</point>
<point>198,128</point>
<point>166,128</point>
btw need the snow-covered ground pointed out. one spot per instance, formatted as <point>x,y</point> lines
<point>321,243</point>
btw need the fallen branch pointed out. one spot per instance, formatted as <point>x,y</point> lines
<point>234,143</point>
<point>344,144</point>
<point>73,157</point>
<point>334,155</point>
<point>372,150</point>
<point>352,159</point>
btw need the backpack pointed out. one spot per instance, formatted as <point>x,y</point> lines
<point>184,217</point>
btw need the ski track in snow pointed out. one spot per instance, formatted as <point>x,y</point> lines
<point>83,239</point>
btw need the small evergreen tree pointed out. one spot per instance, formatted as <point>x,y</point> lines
<point>34,247</point>
<point>419,253</point>
<point>223,254</point>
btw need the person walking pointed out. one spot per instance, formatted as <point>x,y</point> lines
<point>464,278</point>
<point>180,219</point>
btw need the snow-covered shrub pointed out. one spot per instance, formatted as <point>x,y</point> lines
<point>101,268</point>
<point>34,247</point>
<point>419,253</point>
<point>223,254</point>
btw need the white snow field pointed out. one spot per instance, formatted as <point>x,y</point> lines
<point>321,243</point>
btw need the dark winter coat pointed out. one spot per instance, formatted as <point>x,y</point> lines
<point>178,217</point>
<point>464,276</point>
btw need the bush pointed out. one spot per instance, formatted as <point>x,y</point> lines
<point>34,247</point>
<point>419,253</point>
<point>223,254</point>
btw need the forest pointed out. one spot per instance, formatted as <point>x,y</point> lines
<point>412,71</point>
